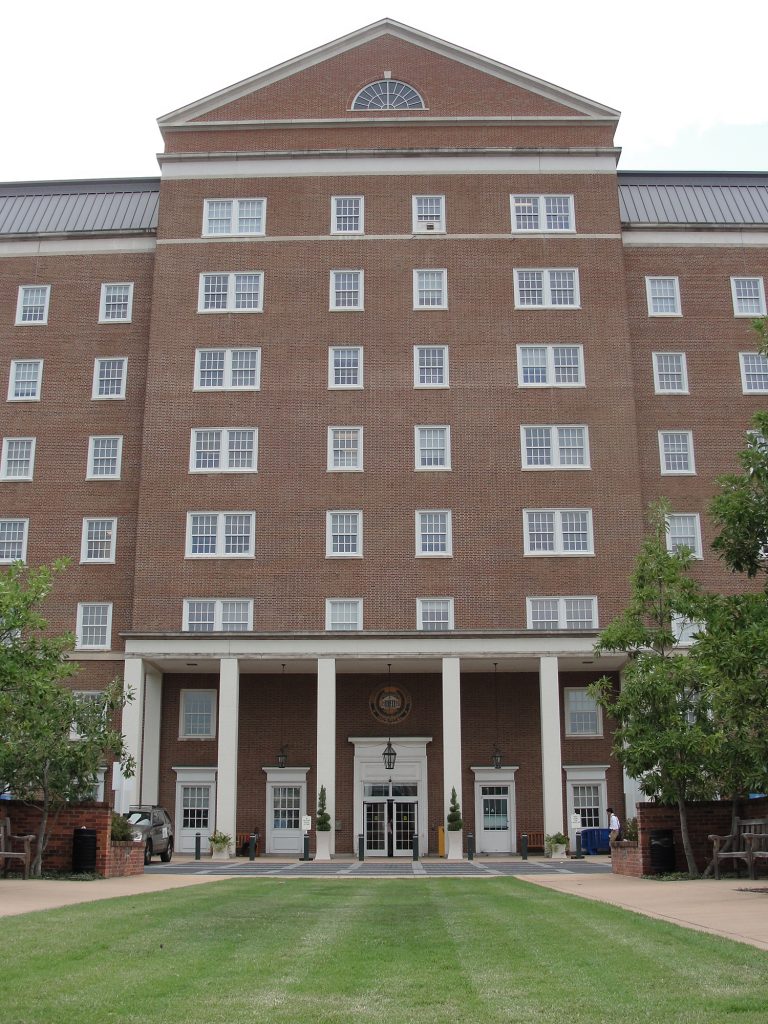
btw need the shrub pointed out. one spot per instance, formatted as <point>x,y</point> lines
<point>121,830</point>
<point>323,817</point>
<point>455,824</point>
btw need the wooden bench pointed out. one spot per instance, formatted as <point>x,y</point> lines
<point>749,843</point>
<point>8,850</point>
<point>535,839</point>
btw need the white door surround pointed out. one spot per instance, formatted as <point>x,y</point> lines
<point>410,768</point>
<point>496,840</point>
<point>290,837</point>
<point>199,785</point>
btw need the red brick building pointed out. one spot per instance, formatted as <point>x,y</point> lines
<point>348,423</point>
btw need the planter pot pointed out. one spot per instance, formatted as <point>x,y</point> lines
<point>455,845</point>
<point>322,845</point>
<point>220,854</point>
<point>558,851</point>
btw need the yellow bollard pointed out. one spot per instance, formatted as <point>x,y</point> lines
<point>441,840</point>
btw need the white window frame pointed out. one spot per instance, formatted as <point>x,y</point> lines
<point>85,695</point>
<point>678,311</point>
<point>228,385</point>
<point>103,318</point>
<point>446,373</point>
<point>558,551</point>
<point>332,385</point>
<point>218,613</point>
<point>20,306</point>
<point>420,602</point>
<point>330,601</point>
<point>84,559</point>
<point>220,525</point>
<point>585,775</point>
<point>335,229</point>
<point>742,367</point>
<point>95,396</point>
<point>417,448</point>
<point>358,467</point>
<point>760,297</point>
<point>562,619</point>
<point>567,692</point>
<point>691,471</point>
<point>550,367</point>
<point>231,291</point>
<point>554,442</point>
<point>443,304</point>
<point>697,549</point>
<point>223,450</point>
<point>542,214</point>
<point>431,227</point>
<point>4,459</point>
<point>448,553</point>
<point>658,389</point>
<point>211,735</point>
<point>12,380</point>
<point>547,287</point>
<point>360,289</point>
<point>82,605</point>
<point>90,475</point>
<point>24,539</point>
<point>235,217</point>
<point>329,552</point>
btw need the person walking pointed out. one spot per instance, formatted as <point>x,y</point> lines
<point>614,825</point>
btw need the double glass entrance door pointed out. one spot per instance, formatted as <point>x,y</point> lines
<point>390,817</point>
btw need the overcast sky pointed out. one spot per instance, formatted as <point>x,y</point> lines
<point>82,82</point>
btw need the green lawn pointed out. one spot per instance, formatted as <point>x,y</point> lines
<point>395,951</point>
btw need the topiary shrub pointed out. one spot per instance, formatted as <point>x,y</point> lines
<point>455,824</point>
<point>323,817</point>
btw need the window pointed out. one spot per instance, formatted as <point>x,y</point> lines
<point>430,366</point>
<point>347,215</point>
<point>220,534</point>
<point>286,807</point>
<point>684,531</point>
<point>345,367</point>
<point>227,369</point>
<point>99,540</point>
<point>109,377</point>
<point>430,289</point>
<point>434,614</point>
<point>754,373</point>
<point>434,534</point>
<point>82,697</point>
<point>13,540</point>
<point>234,216</point>
<point>546,289</point>
<point>344,535</point>
<point>94,626</point>
<point>562,612</point>
<point>548,447</point>
<point>663,294</point>
<point>748,295</point>
<point>558,531</point>
<point>346,289</point>
<point>223,450</point>
<point>685,630</point>
<point>345,449</point>
<point>217,616</point>
<point>26,380</point>
<point>104,458</point>
<point>197,715</point>
<point>428,214</point>
<point>587,803</point>
<point>231,293</point>
<point>116,303</point>
<point>670,373</point>
<point>542,213</point>
<point>676,452</point>
<point>583,716</point>
<point>343,614</point>
<point>388,94</point>
<point>558,366</point>
<point>32,306</point>
<point>18,459</point>
<point>433,447</point>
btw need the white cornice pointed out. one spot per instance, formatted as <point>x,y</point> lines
<point>74,247</point>
<point>370,32</point>
<point>388,122</point>
<point>650,237</point>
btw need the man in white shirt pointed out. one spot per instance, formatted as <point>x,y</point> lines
<point>614,825</point>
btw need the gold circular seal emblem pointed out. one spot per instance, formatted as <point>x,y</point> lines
<point>390,704</point>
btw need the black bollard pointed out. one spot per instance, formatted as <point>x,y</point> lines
<point>252,846</point>
<point>197,846</point>
<point>524,846</point>
<point>578,855</point>
<point>415,845</point>
<point>470,846</point>
<point>361,847</point>
<point>306,847</point>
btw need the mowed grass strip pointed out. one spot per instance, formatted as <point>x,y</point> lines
<point>394,951</point>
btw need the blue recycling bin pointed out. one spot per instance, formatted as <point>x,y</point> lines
<point>595,840</point>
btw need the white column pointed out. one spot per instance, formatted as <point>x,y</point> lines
<point>129,790</point>
<point>451,731</point>
<point>326,742</point>
<point>229,709</point>
<point>153,705</point>
<point>551,754</point>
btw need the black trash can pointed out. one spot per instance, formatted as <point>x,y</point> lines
<point>662,851</point>
<point>83,850</point>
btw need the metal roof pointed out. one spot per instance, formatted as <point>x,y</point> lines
<point>706,200</point>
<point>79,207</point>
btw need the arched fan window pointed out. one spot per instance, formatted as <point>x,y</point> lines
<point>388,94</point>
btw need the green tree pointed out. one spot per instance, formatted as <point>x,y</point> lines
<point>455,824</point>
<point>664,735</point>
<point>52,744</point>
